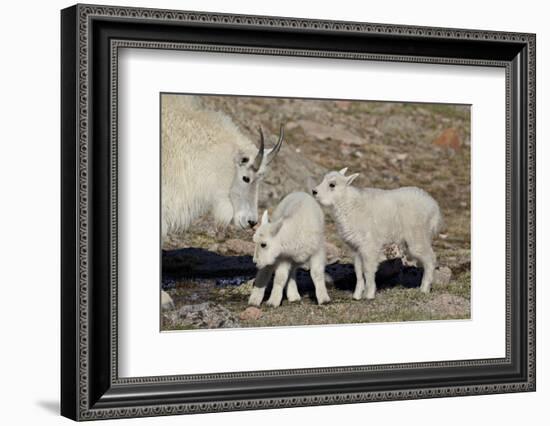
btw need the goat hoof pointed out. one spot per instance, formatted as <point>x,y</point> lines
<point>255,301</point>
<point>323,300</point>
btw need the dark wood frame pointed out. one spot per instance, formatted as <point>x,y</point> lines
<point>90,386</point>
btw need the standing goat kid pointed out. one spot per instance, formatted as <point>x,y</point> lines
<point>368,219</point>
<point>294,237</point>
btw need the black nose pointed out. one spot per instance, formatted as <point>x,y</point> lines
<point>252,223</point>
<point>314,192</point>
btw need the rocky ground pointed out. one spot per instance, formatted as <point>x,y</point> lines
<point>391,145</point>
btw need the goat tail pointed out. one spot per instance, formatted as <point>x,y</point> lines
<point>436,223</point>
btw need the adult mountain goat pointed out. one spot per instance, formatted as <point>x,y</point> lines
<point>368,219</point>
<point>208,166</point>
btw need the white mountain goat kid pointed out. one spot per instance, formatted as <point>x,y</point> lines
<point>294,237</point>
<point>368,219</point>
<point>208,166</point>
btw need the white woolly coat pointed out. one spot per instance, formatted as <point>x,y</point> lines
<point>199,149</point>
<point>375,216</point>
<point>302,232</point>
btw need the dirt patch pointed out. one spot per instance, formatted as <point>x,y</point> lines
<point>447,304</point>
<point>394,304</point>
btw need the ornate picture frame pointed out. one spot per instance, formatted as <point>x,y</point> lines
<point>91,37</point>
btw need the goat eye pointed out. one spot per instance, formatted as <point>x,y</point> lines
<point>332,185</point>
<point>263,245</point>
<point>244,160</point>
<point>246,179</point>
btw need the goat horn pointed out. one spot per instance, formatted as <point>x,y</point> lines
<point>260,156</point>
<point>273,152</point>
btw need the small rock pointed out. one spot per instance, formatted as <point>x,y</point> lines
<point>449,138</point>
<point>401,157</point>
<point>442,275</point>
<point>376,132</point>
<point>345,149</point>
<point>251,313</point>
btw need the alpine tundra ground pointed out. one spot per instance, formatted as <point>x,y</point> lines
<point>391,145</point>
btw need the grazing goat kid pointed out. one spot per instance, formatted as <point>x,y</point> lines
<point>294,237</point>
<point>367,219</point>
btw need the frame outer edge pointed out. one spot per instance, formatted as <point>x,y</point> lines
<point>69,221</point>
<point>531,213</point>
<point>83,13</point>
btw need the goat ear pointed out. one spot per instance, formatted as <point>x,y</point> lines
<point>276,227</point>
<point>351,178</point>
<point>343,171</point>
<point>265,217</point>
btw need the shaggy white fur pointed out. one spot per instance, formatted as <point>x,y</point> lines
<point>368,219</point>
<point>294,237</point>
<point>208,165</point>
<point>202,154</point>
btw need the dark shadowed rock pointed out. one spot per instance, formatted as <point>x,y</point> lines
<point>200,263</point>
<point>232,271</point>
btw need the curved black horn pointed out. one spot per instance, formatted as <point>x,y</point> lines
<point>260,156</point>
<point>273,152</point>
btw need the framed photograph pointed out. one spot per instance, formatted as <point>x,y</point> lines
<point>263,212</point>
